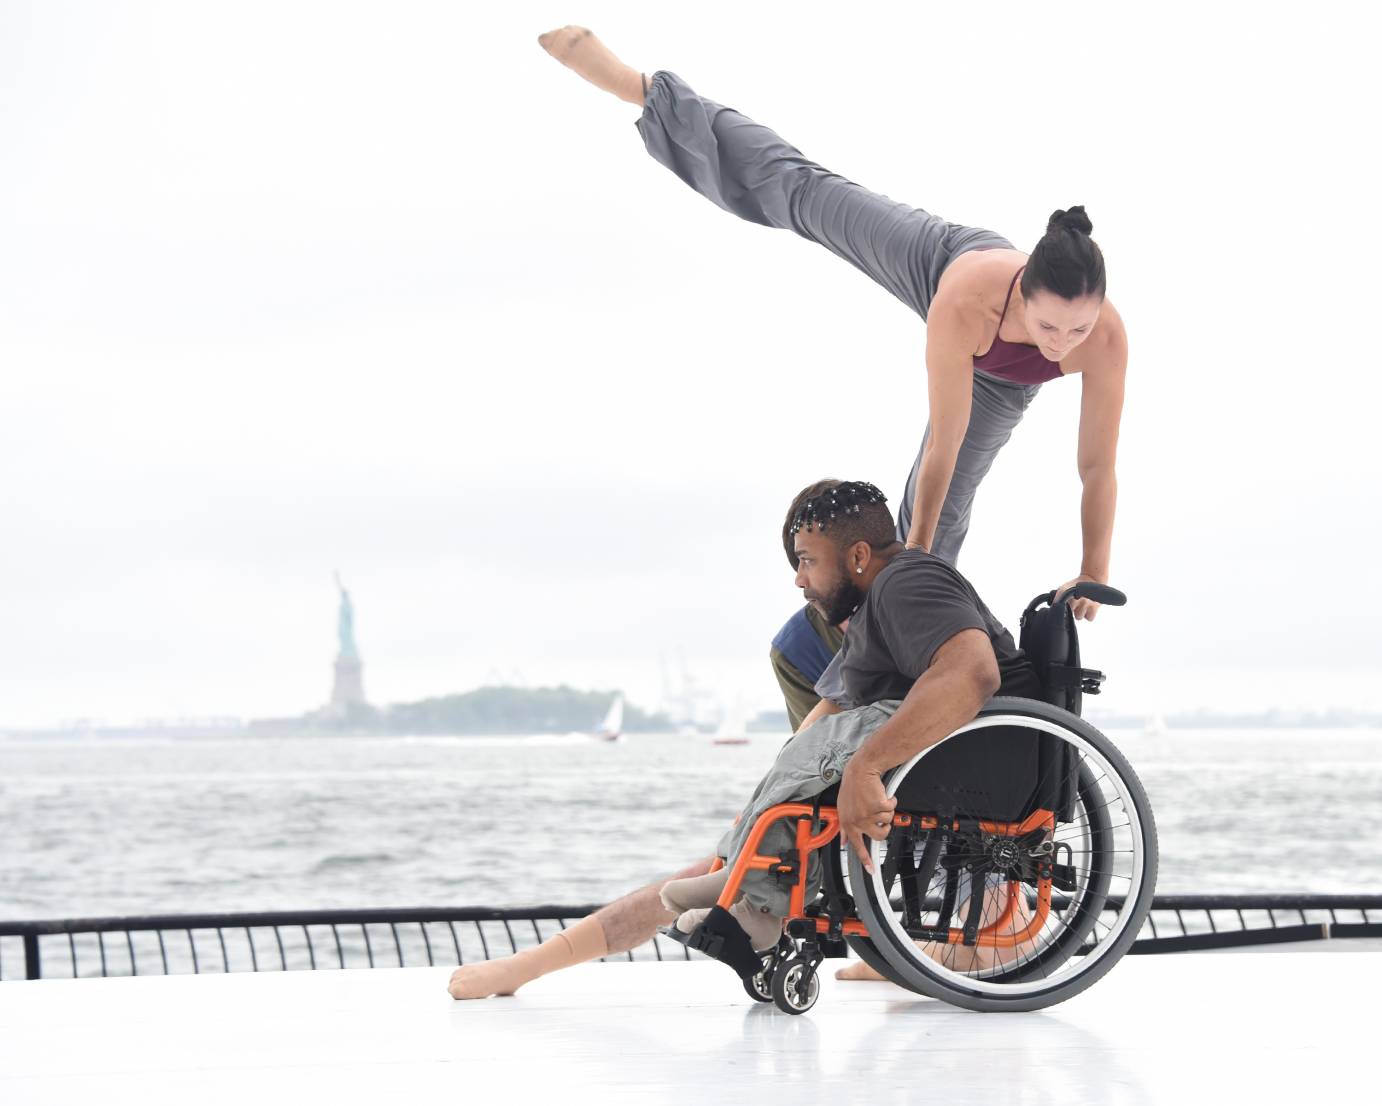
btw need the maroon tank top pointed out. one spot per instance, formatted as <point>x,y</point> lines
<point>1016,362</point>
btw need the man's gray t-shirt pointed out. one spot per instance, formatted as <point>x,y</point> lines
<point>917,604</point>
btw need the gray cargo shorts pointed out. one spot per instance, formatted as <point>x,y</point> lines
<point>811,762</point>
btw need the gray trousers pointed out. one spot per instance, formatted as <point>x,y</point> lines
<point>811,762</point>
<point>748,170</point>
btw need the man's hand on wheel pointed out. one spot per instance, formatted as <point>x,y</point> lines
<point>865,810</point>
<point>1080,608</point>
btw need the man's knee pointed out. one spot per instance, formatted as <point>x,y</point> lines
<point>699,868</point>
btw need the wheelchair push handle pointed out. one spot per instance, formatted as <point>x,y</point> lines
<point>1100,593</point>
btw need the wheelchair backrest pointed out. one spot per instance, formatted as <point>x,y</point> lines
<point>1052,645</point>
<point>1005,772</point>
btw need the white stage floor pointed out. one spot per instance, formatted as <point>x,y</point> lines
<point>1241,1028</point>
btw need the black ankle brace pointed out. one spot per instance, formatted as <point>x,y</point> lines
<point>721,938</point>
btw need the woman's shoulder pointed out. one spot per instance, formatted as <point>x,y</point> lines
<point>976,284</point>
<point>983,269</point>
<point>1106,348</point>
<point>1114,334</point>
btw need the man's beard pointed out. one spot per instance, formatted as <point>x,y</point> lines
<point>843,601</point>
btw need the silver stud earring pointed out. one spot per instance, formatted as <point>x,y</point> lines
<point>860,571</point>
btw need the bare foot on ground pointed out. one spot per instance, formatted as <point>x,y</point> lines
<point>858,970</point>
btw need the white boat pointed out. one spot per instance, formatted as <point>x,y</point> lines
<point>733,728</point>
<point>612,728</point>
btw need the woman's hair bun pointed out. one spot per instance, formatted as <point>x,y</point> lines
<point>1066,261</point>
<point>1073,219</point>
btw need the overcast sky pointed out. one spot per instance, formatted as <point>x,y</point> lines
<point>292,287</point>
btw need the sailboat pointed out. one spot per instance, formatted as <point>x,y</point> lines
<point>612,728</point>
<point>733,728</point>
<point>1156,726</point>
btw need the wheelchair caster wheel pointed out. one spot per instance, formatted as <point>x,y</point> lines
<point>760,987</point>
<point>796,986</point>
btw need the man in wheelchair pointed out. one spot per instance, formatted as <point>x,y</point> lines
<point>922,657</point>
<point>921,654</point>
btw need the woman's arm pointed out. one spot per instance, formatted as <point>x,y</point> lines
<point>951,338</point>
<point>1101,412</point>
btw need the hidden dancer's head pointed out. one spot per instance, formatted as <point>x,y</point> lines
<point>1063,285</point>
<point>836,530</point>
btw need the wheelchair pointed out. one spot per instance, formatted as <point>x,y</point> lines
<point>1019,867</point>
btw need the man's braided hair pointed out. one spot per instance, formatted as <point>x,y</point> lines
<point>848,511</point>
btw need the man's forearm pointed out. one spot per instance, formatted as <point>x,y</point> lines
<point>940,702</point>
<point>1097,506</point>
<point>819,711</point>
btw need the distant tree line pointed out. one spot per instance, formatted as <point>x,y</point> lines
<point>486,710</point>
<point>513,710</point>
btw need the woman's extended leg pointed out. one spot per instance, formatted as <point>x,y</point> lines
<point>745,168</point>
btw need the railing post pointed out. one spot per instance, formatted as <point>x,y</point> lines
<point>32,968</point>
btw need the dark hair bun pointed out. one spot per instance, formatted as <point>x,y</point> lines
<point>1073,220</point>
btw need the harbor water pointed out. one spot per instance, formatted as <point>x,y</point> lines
<point>170,825</point>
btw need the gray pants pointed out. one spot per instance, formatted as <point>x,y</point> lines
<point>748,170</point>
<point>996,408</point>
<point>811,762</point>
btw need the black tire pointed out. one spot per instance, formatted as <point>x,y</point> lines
<point>760,987</point>
<point>796,985</point>
<point>1075,947</point>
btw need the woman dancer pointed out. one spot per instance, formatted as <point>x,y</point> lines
<point>1000,322</point>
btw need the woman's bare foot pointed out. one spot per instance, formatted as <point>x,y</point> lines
<point>962,959</point>
<point>579,49</point>
<point>860,971</point>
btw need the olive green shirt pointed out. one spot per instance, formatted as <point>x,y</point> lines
<point>798,688</point>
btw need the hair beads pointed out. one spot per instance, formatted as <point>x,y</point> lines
<point>844,499</point>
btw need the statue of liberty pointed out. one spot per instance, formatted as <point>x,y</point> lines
<point>348,686</point>
<point>345,624</point>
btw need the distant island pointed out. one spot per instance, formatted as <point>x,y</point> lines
<point>1276,718</point>
<point>502,710</point>
<point>486,710</point>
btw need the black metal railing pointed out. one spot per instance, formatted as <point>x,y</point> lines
<point>336,939</point>
<point>1180,923</point>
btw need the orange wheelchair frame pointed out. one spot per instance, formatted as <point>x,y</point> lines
<point>807,841</point>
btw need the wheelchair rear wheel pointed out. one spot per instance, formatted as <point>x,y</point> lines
<point>992,904</point>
